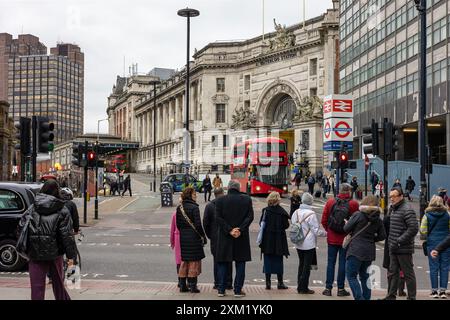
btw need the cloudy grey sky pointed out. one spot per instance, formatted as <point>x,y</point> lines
<point>147,32</point>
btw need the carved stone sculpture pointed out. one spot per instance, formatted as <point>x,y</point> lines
<point>283,38</point>
<point>243,118</point>
<point>310,108</point>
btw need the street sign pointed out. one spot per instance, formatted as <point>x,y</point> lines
<point>338,106</point>
<point>337,129</point>
<point>336,145</point>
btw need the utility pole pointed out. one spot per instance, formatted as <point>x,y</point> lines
<point>422,8</point>
<point>34,147</point>
<point>85,165</point>
<point>385,166</point>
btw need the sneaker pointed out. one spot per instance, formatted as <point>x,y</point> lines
<point>442,294</point>
<point>343,293</point>
<point>434,294</point>
<point>239,294</point>
<point>282,286</point>
<point>221,294</point>
<point>327,292</point>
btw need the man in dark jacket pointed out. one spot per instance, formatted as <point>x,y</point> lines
<point>210,226</point>
<point>335,239</point>
<point>49,238</point>
<point>234,214</point>
<point>409,187</point>
<point>402,231</point>
<point>127,185</point>
<point>374,181</point>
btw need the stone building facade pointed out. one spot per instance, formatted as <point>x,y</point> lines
<point>238,90</point>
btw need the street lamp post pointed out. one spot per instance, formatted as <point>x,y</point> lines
<point>154,83</point>
<point>422,8</point>
<point>187,13</point>
<point>96,169</point>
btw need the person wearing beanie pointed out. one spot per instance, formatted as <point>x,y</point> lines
<point>306,250</point>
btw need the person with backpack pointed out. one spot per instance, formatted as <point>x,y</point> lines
<point>409,187</point>
<point>365,228</point>
<point>311,183</point>
<point>335,212</point>
<point>436,227</point>
<point>49,238</point>
<point>274,241</point>
<point>403,227</point>
<point>306,248</point>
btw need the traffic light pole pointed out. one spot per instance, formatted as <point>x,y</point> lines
<point>385,167</point>
<point>34,148</point>
<point>85,181</point>
<point>338,173</point>
<point>96,182</point>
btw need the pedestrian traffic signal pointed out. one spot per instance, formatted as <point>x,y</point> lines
<point>343,160</point>
<point>77,154</point>
<point>371,139</point>
<point>45,135</point>
<point>23,135</point>
<point>91,157</point>
<point>391,138</point>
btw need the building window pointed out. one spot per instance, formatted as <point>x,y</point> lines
<point>247,82</point>
<point>192,141</point>
<point>247,104</point>
<point>226,140</point>
<point>305,139</point>
<point>220,113</point>
<point>313,67</point>
<point>220,84</point>
<point>313,92</point>
<point>214,141</point>
<point>214,167</point>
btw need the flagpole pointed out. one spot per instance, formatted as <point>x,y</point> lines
<point>263,21</point>
<point>304,14</point>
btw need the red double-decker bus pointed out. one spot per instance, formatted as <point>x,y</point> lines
<point>261,165</point>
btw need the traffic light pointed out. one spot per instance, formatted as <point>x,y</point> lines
<point>91,157</point>
<point>77,154</point>
<point>391,139</point>
<point>23,135</point>
<point>343,160</point>
<point>45,135</point>
<point>371,139</point>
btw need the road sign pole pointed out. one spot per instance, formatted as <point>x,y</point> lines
<point>366,167</point>
<point>85,181</point>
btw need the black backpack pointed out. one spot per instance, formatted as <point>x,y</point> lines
<point>339,211</point>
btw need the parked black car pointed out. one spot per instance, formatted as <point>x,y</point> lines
<point>15,199</point>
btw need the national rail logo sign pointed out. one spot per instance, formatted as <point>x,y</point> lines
<point>337,106</point>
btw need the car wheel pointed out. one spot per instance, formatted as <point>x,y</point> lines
<point>10,260</point>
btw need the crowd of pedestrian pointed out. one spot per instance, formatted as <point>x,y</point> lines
<point>352,230</point>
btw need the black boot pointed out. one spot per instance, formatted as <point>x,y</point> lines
<point>268,287</point>
<point>193,285</point>
<point>183,286</point>
<point>179,281</point>
<point>281,285</point>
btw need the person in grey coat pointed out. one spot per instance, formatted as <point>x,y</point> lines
<point>234,214</point>
<point>403,229</point>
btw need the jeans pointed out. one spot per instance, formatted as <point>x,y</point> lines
<point>355,267</point>
<point>333,251</point>
<point>229,279</point>
<point>304,268</point>
<point>208,191</point>
<point>402,262</point>
<point>38,272</point>
<point>311,189</point>
<point>238,279</point>
<point>439,267</point>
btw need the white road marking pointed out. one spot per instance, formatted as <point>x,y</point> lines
<point>317,282</point>
<point>122,276</point>
<point>419,267</point>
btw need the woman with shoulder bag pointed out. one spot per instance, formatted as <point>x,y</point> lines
<point>49,238</point>
<point>364,227</point>
<point>274,241</point>
<point>435,226</point>
<point>192,240</point>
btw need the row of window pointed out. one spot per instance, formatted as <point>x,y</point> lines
<point>406,86</point>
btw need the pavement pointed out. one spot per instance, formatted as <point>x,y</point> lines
<point>15,288</point>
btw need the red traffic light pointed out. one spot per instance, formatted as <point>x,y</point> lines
<point>91,155</point>
<point>343,157</point>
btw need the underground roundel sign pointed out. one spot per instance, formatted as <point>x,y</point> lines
<point>327,130</point>
<point>337,129</point>
<point>342,129</point>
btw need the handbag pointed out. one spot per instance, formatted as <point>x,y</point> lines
<point>261,229</point>
<point>22,241</point>
<point>348,238</point>
<point>192,225</point>
<point>425,243</point>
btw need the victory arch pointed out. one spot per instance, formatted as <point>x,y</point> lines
<point>298,120</point>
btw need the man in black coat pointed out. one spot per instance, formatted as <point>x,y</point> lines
<point>127,185</point>
<point>210,226</point>
<point>234,214</point>
<point>402,232</point>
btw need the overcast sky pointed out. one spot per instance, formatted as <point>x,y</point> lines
<point>147,32</point>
